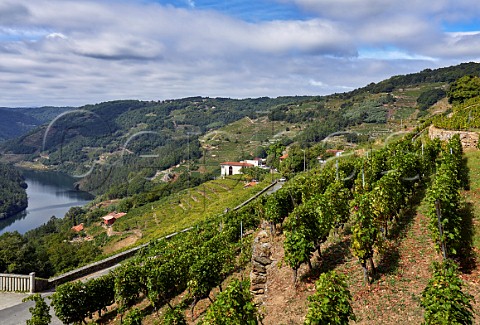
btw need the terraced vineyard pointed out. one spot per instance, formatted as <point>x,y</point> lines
<point>187,207</point>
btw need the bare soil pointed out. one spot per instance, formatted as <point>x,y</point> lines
<point>403,271</point>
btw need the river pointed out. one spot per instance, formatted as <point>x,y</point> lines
<point>49,194</point>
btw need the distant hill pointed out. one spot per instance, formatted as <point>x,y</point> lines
<point>15,122</point>
<point>130,140</point>
<point>108,141</point>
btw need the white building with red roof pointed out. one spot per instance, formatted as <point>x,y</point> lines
<point>233,168</point>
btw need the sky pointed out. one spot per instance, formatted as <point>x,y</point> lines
<point>77,52</point>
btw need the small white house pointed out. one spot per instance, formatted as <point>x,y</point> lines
<point>233,168</point>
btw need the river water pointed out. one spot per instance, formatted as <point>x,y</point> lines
<point>49,194</point>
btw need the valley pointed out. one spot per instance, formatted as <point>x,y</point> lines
<point>359,168</point>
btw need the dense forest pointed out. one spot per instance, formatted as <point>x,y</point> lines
<point>16,122</point>
<point>448,75</point>
<point>13,197</point>
<point>464,94</point>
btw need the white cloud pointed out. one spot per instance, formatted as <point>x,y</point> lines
<point>77,52</point>
<point>316,83</point>
<point>391,54</point>
<point>461,44</point>
<point>56,35</point>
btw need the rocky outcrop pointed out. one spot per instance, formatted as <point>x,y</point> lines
<point>261,261</point>
<point>468,139</point>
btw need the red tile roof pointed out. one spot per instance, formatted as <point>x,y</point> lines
<point>78,228</point>
<point>115,215</point>
<point>108,217</point>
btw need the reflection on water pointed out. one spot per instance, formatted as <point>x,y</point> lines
<point>4,223</point>
<point>49,194</point>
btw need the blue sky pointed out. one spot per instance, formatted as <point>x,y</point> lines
<point>76,52</point>
<point>253,11</point>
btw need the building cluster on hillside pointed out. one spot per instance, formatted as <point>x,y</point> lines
<point>234,168</point>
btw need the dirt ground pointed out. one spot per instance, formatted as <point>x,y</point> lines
<point>394,297</point>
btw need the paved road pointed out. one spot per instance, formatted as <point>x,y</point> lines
<point>275,188</point>
<point>15,312</point>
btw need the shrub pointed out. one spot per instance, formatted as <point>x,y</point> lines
<point>330,304</point>
<point>443,299</point>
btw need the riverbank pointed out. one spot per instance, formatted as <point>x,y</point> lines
<point>13,195</point>
<point>13,211</point>
<point>49,194</point>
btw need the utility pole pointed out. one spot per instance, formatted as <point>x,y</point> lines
<point>336,167</point>
<point>440,229</point>
<point>363,178</point>
<point>304,160</point>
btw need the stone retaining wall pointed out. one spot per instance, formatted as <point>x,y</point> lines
<point>101,265</point>
<point>468,139</point>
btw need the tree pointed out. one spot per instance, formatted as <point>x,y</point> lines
<point>330,304</point>
<point>463,89</point>
<point>260,152</point>
<point>430,97</point>
<point>70,303</point>
<point>443,299</point>
<point>274,153</point>
<point>254,172</point>
<point>295,162</point>
<point>40,312</point>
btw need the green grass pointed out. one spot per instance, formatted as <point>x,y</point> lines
<point>187,207</point>
<point>240,139</point>
<point>473,195</point>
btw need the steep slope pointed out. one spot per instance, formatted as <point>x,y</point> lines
<point>16,122</point>
<point>13,124</point>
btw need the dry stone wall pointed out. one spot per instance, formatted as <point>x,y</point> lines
<point>469,139</point>
<point>261,261</point>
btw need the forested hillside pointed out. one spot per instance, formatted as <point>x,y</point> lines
<point>105,144</point>
<point>380,231</point>
<point>16,122</point>
<point>464,94</point>
<point>13,197</point>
